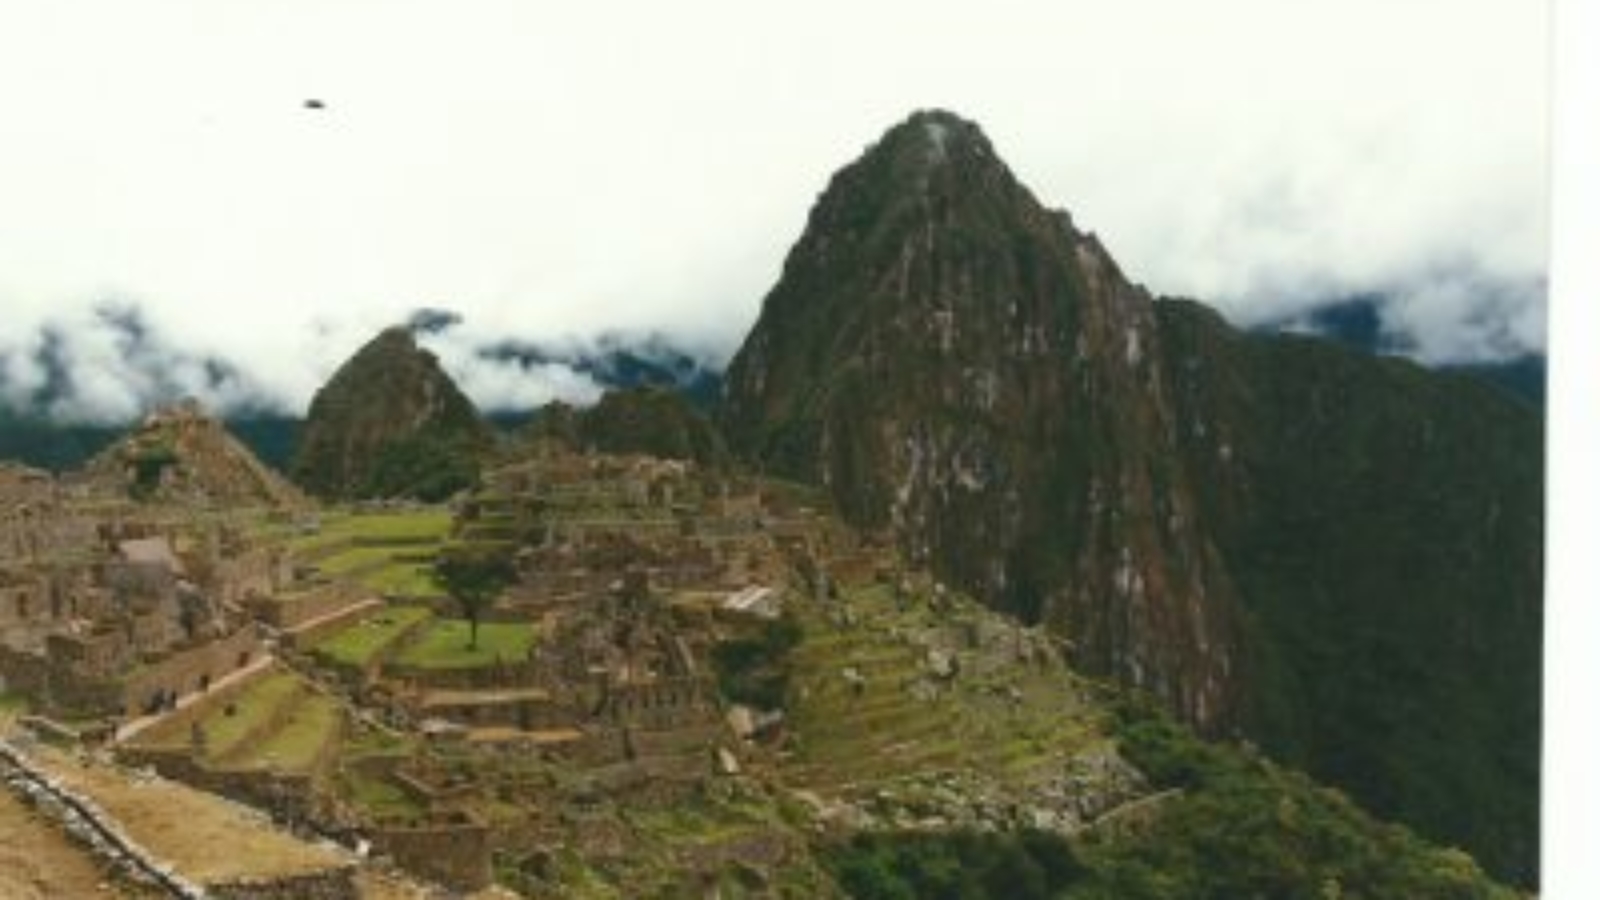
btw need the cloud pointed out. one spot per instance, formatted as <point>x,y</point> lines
<point>556,175</point>
<point>110,363</point>
<point>107,364</point>
<point>428,320</point>
<point>1462,316</point>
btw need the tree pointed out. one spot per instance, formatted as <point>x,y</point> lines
<point>474,575</point>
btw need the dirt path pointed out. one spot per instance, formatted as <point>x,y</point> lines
<point>39,862</point>
<point>205,838</point>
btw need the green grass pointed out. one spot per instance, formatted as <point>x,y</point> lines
<point>884,732</point>
<point>295,746</point>
<point>390,553</point>
<point>404,579</point>
<point>253,707</point>
<point>355,559</point>
<point>360,644</point>
<point>12,705</point>
<point>366,741</point>
<point>409,527</point>
<point>444,645</point>
<point>379,797</point>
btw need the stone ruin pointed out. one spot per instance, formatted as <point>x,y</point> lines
<point>107,608</point>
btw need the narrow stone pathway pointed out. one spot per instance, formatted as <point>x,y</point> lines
<point>130,729</point>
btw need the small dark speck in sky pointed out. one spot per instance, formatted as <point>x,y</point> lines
<point>314,103</point>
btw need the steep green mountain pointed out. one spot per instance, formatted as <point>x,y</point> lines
<point>1358,322</point>
<point>654,421</point>
<point>1385,526</point>
<point>1330,553</point>
<point>390,423</point>
<point>964,366</point>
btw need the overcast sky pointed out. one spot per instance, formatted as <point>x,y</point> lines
<point>555,170</point>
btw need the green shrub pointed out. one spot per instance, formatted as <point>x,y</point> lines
<point>754,670</point>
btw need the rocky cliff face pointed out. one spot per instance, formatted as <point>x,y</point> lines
<point>390,423</point>
<point>1275,536</point>
<point>965,367</point>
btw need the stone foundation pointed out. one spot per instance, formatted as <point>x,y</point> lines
<point>453,852</point>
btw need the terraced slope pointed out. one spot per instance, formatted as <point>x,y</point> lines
<point>891,691</point>
<point>274,722</point>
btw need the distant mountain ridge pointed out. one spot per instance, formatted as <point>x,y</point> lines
<point>1357,322</point>
<point>619,361</point>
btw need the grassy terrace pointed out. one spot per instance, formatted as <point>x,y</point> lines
<point>253,707</point>
<point>884,732</point>
<point>389,553</point>
<point>12,705</point>
<point>296,745</point>
<point>356,559</point>
<point>444,645</point>
<point>253,704</point>
<point>250,738</point>
<point>421,526</point>
<point>360,644</point>
<point>378,797</point>
<point>404,579</point>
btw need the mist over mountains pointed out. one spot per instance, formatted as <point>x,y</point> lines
<point>68,393</point>
<point>70,388</point>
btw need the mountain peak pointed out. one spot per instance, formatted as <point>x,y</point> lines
<point>942,349</point>
<point>390,422</point>
<point>941,136</point>
<point>935,153</point>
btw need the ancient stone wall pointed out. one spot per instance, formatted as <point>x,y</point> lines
<point>526,713</point>
<point>256,572</point>
<point>453,853</point>
<point>288,797</point>
<point>665,703</point>
<point>507,674</point>
<point>292,610</point>
<point>190,670</point>
<point>56,686</point>
<point>332,884</point>
<point>27,611</point>
<point>309,635</point>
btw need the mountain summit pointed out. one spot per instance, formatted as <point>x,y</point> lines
<point>1280,538</point>
<point>964,366</point>
<point>390,423</point>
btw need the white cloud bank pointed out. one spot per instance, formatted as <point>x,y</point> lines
<point>554,171</point>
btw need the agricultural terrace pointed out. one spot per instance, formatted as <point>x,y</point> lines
<point>364,642</point>
<point>389,552</point>
<point>444,645</point>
